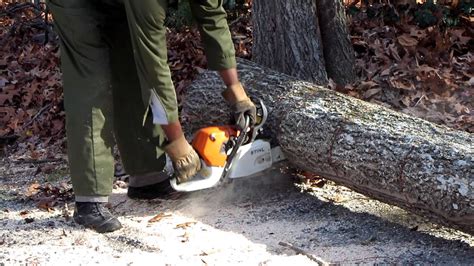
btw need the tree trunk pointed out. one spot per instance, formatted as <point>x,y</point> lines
<point>286,38</point>
<point>307,39</point>
<point>337,47</point>
<point>398,159</point>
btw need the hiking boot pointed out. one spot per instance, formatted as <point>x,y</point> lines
<point>96,216</point>
<point>161,190</point>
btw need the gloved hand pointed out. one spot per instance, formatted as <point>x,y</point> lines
<point>186,161</point>
<point>241,105</point>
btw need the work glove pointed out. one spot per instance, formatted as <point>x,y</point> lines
<point>186,161</point>
<point>241,105</point>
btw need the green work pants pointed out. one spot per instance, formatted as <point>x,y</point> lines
<point>113,59</point>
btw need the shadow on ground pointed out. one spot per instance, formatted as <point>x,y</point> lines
<point>270,209</point>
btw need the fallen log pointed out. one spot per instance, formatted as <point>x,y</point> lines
<point>402,160</point>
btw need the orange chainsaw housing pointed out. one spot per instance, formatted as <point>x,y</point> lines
<point>210,143</point>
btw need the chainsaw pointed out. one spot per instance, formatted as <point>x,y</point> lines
<point>227,153</point>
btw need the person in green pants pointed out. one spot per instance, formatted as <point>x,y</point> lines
<point>118,90</point>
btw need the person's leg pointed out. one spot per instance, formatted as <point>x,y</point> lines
<point>148,34</point>
<point>88,104</point>
<point>139,141</point>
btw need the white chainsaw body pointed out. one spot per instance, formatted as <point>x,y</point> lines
<point>250,159</point>
<point>246,156</point>
<point>207,177</point>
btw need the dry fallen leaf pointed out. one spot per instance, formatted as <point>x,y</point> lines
<point>32,190</point>
<point>470,82</point>
<point>158,217</point>
<point>418,33</point>
<point>371,92</point>
<point>460,37</point>
<point>312,180</point>
<point>365,85</point>
<point>185,237</point>
<point>47,203</point>
<point>185,225</point>
<point>407,40</point>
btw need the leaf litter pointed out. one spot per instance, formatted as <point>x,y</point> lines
<point>425,72</point>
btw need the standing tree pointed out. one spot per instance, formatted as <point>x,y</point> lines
<point>307,39</point>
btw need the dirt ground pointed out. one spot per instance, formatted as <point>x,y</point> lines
<point>248,222</point>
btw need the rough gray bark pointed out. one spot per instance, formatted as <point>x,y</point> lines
<point>337,47</point>
<point>398,159</point>
<point>286,38</point>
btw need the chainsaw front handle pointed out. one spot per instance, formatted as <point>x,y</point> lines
<point>258,125</point>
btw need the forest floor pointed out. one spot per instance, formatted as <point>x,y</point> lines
<point>244,222</point>
<point>423,71</point>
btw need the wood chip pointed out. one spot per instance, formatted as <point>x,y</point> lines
<point>158,217</point>
<point>185,237</point>
<point>185,225</point>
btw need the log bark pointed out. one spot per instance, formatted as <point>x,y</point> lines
<point>398,159</point>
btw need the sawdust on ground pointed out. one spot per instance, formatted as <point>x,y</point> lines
<point>242,223</point>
